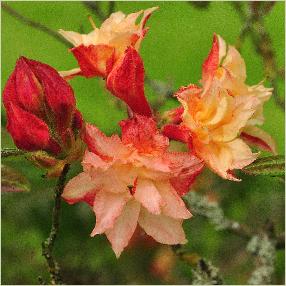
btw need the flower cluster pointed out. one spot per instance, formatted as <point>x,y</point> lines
<point>219,117</point>
<point>135,179</point>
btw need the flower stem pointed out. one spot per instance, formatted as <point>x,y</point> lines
<point>48,244</point>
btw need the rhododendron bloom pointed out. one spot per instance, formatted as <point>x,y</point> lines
<point>226,68</point>
<point>134,179</point>
<point>220,116</point>
<point>99,50</point>
<point>41,108</point>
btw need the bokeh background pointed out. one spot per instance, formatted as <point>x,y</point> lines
<point>173,51</point>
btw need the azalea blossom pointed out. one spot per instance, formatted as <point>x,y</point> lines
<point>219,118</point>
<point>99,50</point>
<point>134,179</point>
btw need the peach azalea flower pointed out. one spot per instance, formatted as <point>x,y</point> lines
<point>134,179</point>
<point>220,117</point>
<point>98,51</point>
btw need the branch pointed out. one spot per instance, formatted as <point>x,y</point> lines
<point>200,205</point>
<point>36,25</point>
<point>254,26</point>
<point>48,244</point>
<point>204,273</point>
<point>95,9</point>
<point>8,152</point>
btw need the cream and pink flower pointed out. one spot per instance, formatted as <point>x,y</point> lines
<point>134,180</point>
<point>218,118</point>
<point>99,50</point>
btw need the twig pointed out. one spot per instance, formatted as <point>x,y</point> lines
<point>201,206</point>
<point>94,7</point>
<point>33,24</point>
<point>48,244</point>
<point>254,26</point>
<point>204,273</point>
<point>8,152</point>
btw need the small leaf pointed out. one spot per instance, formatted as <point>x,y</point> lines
<point>13,181</point>
<point>268,166</point>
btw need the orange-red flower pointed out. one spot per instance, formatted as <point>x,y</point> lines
<point>99,50</point>
<point>220,116</point>
<point>134,179</point>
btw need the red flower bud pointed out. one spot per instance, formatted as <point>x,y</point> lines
<point>126,81</point>
<point>40,107</point>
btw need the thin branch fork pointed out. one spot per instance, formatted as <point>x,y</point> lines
<point>48,244</point>
<point>33,24</point>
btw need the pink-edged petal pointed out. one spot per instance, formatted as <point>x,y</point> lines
<point>80,188</point>
<point>142,133</point>
<point>107,207</point>
<point>185,167</point>
<point>162,228</point>
<point>257,137</point>
<point>126,81</point>
<point>105,147</point>
<point>212,61</point>
<point>124,227</point>
<point>94,60</point>
<point>174,205</point>
<point>92,162</point>
<point>147,194</point>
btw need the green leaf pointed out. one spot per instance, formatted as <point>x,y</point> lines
<point>13,181</point>
<point>268,166</point>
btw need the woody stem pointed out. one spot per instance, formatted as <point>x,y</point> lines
<point>48,244</point>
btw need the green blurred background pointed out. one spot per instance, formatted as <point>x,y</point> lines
<point>173,51</point>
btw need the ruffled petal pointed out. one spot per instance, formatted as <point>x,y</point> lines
<point>242,110</point>
<point>142,133</point>
<point>147,194</point>
<point>124,227</point>
<point>224,157</point>
<point>107,208</point>
<point>107,148</point>
<point>162,228</point>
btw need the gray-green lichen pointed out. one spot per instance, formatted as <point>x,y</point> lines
<point>264,249</point>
